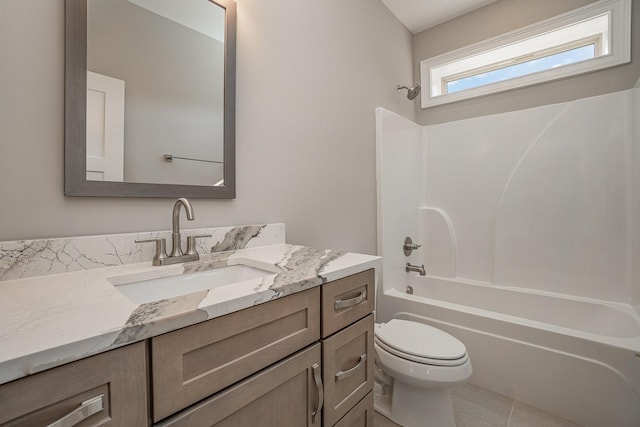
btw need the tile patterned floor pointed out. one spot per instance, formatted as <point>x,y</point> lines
<point>477,407</point>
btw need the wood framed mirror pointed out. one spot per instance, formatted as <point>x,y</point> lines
<point>150,98</point>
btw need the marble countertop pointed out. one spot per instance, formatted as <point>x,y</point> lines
<point>49,320</point>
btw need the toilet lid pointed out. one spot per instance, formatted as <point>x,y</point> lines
<point>419,340</point>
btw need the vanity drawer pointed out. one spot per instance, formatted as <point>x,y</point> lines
<point>192,363</point>
<point>347,367</point>
<point>361,415</point>
<point>115,381</point>
<point>346,300</point>
<point>283,395</point>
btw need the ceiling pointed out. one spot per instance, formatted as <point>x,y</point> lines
<point>419,15</point>
<point>194,14</point>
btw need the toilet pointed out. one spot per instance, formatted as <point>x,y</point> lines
<point>416,367</point>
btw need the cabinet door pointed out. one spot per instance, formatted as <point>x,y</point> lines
<point>193,363</point>
<point>347,366</point>
<point>113,385</point>
<point>346,300</point>
<point>360,416</point>
<point>284,395</point>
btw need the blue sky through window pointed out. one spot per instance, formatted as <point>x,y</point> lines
<point>535,65</point>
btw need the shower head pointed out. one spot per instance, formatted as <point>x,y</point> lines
<point>412,92</point>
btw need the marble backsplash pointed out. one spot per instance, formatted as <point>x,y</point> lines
<point>30,258</point>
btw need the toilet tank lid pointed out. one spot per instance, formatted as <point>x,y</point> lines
<point>420,340</point>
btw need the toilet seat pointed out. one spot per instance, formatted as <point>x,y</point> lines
<point>420,343</point>
<point>421,374</point>
<point>421,360</point>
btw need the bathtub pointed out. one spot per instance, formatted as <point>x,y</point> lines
<point>575,357</point>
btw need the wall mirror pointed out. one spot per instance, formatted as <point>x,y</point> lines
<point>150,98</point>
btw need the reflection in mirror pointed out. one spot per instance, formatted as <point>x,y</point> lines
<point>158,100</point>
<point>164,84</point>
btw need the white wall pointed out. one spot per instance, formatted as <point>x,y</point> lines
<point>309,75</point>
<point>545,198</point>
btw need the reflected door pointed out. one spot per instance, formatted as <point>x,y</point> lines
<point>105,128</point>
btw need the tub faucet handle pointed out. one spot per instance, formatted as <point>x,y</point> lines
<point>409,246</point>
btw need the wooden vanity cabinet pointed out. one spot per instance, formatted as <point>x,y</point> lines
<point>347,363</point>
<point>112,386</point>
<point>268,365</point>
<point>283,395</point>
<point>347,300</point>
<point>361,415</point>
<point>347,349</point>
<point>193,363</point>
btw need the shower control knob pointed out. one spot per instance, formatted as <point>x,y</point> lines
<point>409,246</point>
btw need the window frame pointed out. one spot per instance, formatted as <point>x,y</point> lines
<point>618,52</point>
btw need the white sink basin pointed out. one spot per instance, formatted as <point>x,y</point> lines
<point>143,290</point>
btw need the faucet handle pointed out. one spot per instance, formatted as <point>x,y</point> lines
<point>409,246</point>
<point>191,243</point>
<point>161,249</point>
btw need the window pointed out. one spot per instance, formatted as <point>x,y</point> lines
<point>590,38</point>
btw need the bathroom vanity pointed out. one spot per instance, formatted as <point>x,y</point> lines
<point>293,348</point>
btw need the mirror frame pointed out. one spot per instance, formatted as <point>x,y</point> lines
<point>75,110</point>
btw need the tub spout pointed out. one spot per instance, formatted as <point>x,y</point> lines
<point>416,269</point>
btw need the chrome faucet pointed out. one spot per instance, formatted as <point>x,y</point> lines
<point>416,269</point>
<point>177,255</point>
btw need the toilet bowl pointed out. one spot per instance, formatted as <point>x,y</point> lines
<point>416,367</point>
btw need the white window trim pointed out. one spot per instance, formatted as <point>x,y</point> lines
<point>619,52</point>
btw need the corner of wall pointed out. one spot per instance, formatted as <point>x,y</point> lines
<point>635,200</point>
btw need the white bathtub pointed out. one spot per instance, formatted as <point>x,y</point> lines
<point>575,357</point>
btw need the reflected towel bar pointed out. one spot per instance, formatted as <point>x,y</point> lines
<point>170,157</point>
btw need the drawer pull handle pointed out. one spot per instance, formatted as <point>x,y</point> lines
<point>81,413</point>
<point>340,375</point>
<point>344,303</point>
<point>317,378</point>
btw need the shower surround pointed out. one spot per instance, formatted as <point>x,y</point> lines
<point>538,202</point>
